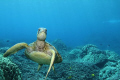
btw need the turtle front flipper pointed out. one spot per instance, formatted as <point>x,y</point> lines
<point>15,49</point>
<point>51,63</point>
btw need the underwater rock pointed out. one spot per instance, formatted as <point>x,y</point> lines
<point>106,60</point>
<point>73,55</point>
<point>94,58</point>
<point>75,51</point>
<point>59,45</point>
<point>75,71</point>
<point>86,63</point>
<point>89,49</point>
<point>4,49</point>
<point>91,54</point>
<point>111,71</point>
<point>112,55</point>
<point>9,70</point>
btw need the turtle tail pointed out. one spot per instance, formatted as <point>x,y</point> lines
<point>15,49</point>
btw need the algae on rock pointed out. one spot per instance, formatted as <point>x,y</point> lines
<point>9,70</point>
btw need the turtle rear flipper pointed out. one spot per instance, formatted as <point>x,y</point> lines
<point>15,49</point>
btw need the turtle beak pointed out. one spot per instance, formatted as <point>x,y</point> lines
<point>41,34</point>
<point>40,30</point>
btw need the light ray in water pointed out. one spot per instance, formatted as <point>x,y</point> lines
<point>112,21</point>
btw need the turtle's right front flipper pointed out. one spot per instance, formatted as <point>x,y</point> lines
<point>15,48</point>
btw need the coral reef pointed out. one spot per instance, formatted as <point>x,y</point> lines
<point>72,56</point>
<point>4,49</point>
<point>58,43</point>
<point>9,70</point>
<point>63,70</point>
<point>111,71</point>
<point>92,54</point>
<point>81,63</point>
<point>75,71</point>
<point>101,59</point>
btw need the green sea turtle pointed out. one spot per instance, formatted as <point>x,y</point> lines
<point>39,51</point>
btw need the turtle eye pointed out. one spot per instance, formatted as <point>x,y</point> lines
<point>46,30</point>
<point>39,29</point>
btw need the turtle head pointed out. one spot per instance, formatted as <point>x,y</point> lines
<point>41,34</point>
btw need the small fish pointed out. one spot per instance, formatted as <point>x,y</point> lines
<point>92,75</point>
<point>7,41</point>
<point>108,45</point>
<point>70,77</point>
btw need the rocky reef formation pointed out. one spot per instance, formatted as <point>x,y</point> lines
<point>107,62</point>
<point>81,63</point>
<point>3,49</point>
<point>60,46</point>
<point>9,70</point>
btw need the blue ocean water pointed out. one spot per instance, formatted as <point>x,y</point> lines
<point>75,22</point>
<point>80,24</point>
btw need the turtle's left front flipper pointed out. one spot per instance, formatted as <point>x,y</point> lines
<point>51,63</point>
<point>15,49</point>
